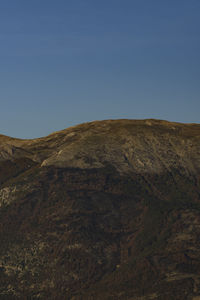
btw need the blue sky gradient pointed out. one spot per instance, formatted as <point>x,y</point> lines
<point>67,62</point>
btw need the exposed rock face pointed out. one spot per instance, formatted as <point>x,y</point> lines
<point>103,210</point>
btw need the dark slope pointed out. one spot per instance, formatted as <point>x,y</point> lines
<point>103,210</point>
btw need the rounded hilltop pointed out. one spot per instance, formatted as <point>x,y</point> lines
<point>127,145</point>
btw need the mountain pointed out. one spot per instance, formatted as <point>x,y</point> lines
<point>104,210</point>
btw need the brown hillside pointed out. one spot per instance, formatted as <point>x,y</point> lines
<point>102,210</point>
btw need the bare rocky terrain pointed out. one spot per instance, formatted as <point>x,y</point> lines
<point>102,210</point>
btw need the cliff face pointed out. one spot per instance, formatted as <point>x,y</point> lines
<point>103,210</point>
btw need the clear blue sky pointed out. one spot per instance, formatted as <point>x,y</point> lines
<point>64,62</point>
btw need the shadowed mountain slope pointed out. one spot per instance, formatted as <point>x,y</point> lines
<point>102,210</point>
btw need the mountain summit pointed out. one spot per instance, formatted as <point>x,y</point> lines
<point>103,210</point>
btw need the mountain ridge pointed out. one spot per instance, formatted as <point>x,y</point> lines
<point>155,121</point>
<point>97,129</point>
